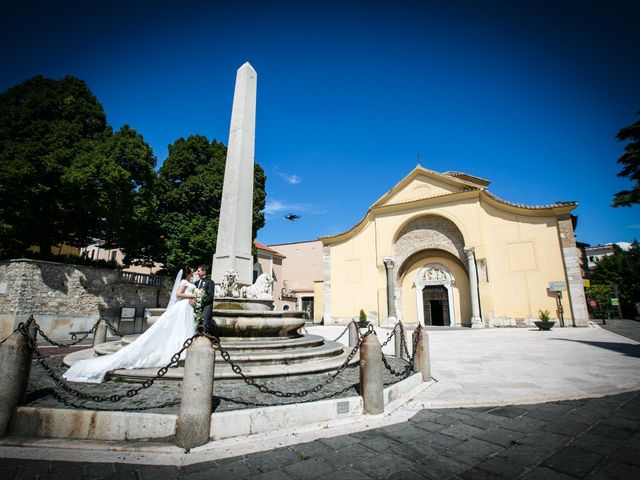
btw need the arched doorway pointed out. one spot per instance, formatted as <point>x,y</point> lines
<point>434,295</point>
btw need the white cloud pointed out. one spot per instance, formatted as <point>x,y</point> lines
<point>292,179</point>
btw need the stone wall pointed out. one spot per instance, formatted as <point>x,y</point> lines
<point>65,298</point>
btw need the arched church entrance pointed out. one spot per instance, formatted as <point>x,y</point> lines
<point>434,295</point>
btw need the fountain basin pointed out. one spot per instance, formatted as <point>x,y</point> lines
<point>256,323</point>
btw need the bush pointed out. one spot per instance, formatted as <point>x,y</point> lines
<point>544,315</point>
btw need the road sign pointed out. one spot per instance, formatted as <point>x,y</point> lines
<point>586,282</point>
<point>557,286</point>
<point>614,302</point>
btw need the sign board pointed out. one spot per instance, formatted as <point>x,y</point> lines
<point>557,286</point>
<point>614,302</point>
<point>127,313</point>
<point>586,282</point>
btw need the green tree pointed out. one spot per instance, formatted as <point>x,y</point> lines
<point>630,162</point>
<point>65,178</point>
<point>621,269</point>
<point>119,178</point>
<point>189,193</point>
<point>45,126</point>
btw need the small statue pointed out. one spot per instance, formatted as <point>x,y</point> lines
<point>261,290</point>
<point>228,287</point>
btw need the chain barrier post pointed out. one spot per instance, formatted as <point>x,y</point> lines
<point>397,340</point>
<point>371,375</point>
<point>353,334</point>
<point>32,327</point>
<point>101,333</point>
<point>422,362</point>
<point>15,363</point>
<point>194,421</point>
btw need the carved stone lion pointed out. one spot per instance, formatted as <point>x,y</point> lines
<point>228,286</point>
<point>260,290</point>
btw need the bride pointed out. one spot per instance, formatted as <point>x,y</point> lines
<point>155,347</point>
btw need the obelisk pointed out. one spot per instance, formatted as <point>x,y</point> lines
<point>233,246</point>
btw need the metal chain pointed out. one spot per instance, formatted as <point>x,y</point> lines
<point>279,393</point>
<point>96,398</point>
<point>64,345</point>
<point>403,340</point>
<point>343,332</point>
<point>409,366</point>
<point>391,335</point>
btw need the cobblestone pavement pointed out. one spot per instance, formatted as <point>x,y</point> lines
<point>228,394</point>
<point>595,438</point>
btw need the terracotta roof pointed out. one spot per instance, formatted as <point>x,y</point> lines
<point>530,207</point>
<point>262,246</point>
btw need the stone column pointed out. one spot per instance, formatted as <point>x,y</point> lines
<point>575,286</point>
<point>389,265</point>
<point>476,321</point>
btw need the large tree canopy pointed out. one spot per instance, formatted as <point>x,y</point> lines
<point>65,178</point>
<point>189,193</point>
<point>45,127</point>
<point>630,162</point>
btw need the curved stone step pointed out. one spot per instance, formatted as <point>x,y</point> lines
<point>223,370</point>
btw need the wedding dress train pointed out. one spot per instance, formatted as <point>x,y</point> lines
<point>153,348</point>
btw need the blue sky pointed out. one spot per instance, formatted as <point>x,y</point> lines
<point>527,94</point>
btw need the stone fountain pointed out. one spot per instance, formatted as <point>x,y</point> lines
<point>263,341</point>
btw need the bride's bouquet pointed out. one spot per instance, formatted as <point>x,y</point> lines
<point>197,305</point>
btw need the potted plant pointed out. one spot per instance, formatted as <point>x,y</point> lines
<point>362,321</point>
<point>544,323</point>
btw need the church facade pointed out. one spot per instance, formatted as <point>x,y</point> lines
<point>440,249</point>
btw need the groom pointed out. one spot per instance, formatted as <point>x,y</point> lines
<point>206,284</point>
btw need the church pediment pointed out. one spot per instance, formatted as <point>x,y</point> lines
<point>422,183</point>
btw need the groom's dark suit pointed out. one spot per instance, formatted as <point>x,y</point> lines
<point>208,286</point>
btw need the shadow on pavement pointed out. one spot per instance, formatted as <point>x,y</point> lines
<point>624,348</point>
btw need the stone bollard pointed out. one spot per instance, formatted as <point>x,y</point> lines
<point>15,363</point>
<point>397,340</point>
<point>100,335</point>
<point>353,334</point>
<point>194,421</point>
<point>32,327</point>
<point>371,375</point>
<point>422,362</point>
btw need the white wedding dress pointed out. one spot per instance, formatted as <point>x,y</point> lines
<point>153,348</point>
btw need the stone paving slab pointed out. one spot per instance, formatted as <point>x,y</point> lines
<point>414,450</point>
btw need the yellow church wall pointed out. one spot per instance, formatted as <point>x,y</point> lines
<point>522,255</point>
<point>354,277</point>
